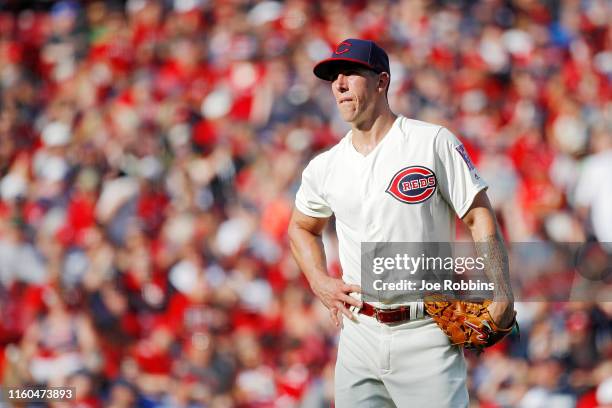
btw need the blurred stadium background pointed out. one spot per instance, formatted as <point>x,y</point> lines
<point>150,152</point>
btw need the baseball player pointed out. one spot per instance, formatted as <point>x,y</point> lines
<point>389,355</point>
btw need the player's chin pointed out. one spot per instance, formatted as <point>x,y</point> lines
<point>348,115</point>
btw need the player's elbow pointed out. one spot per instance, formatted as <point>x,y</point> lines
<point>298,234</point>
<point>293,232</point>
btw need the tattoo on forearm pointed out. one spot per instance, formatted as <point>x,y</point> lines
<point>497,269</point>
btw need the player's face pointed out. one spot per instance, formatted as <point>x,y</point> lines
<point>355,91</point>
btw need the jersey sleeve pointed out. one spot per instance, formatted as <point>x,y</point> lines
<point>310,199</point>
<point>457,177</point>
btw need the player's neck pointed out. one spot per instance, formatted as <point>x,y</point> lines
<point>367,134</point>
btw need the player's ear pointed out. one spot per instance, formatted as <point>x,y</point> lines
<point>383,81</point>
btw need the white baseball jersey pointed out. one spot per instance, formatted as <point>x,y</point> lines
<point>408,189</point>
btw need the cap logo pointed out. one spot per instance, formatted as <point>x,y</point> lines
<point>341,50</point>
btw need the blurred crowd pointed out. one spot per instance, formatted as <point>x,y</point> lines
<point>150,152</point>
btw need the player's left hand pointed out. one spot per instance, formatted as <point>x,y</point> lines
<point>502,313</point>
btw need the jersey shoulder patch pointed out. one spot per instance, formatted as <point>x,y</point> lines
<point>466,157</point>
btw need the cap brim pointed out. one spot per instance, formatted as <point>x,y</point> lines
<point>327,68</point>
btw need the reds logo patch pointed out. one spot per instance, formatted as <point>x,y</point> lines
<point>413,185</point>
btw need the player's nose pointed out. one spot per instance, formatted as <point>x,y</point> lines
<point>340,83</point>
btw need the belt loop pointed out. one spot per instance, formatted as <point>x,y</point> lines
<point>413,311</point>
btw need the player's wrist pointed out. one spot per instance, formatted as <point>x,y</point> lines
<point>502,313</point>
<point>318,281</point>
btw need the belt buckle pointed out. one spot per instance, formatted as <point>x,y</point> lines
<point>378,313</point>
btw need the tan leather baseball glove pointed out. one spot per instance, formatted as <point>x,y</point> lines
<point>466,323</point>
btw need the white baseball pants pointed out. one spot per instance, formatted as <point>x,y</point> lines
<point>403,365</point>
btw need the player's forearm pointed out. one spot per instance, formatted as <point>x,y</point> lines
<point>490,245</point>
<point>307,249</point>
<point>492,249</point>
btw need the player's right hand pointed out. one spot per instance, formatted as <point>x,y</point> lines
<point>334,293</point>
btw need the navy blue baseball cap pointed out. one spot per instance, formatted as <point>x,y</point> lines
<point>353,51</point>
